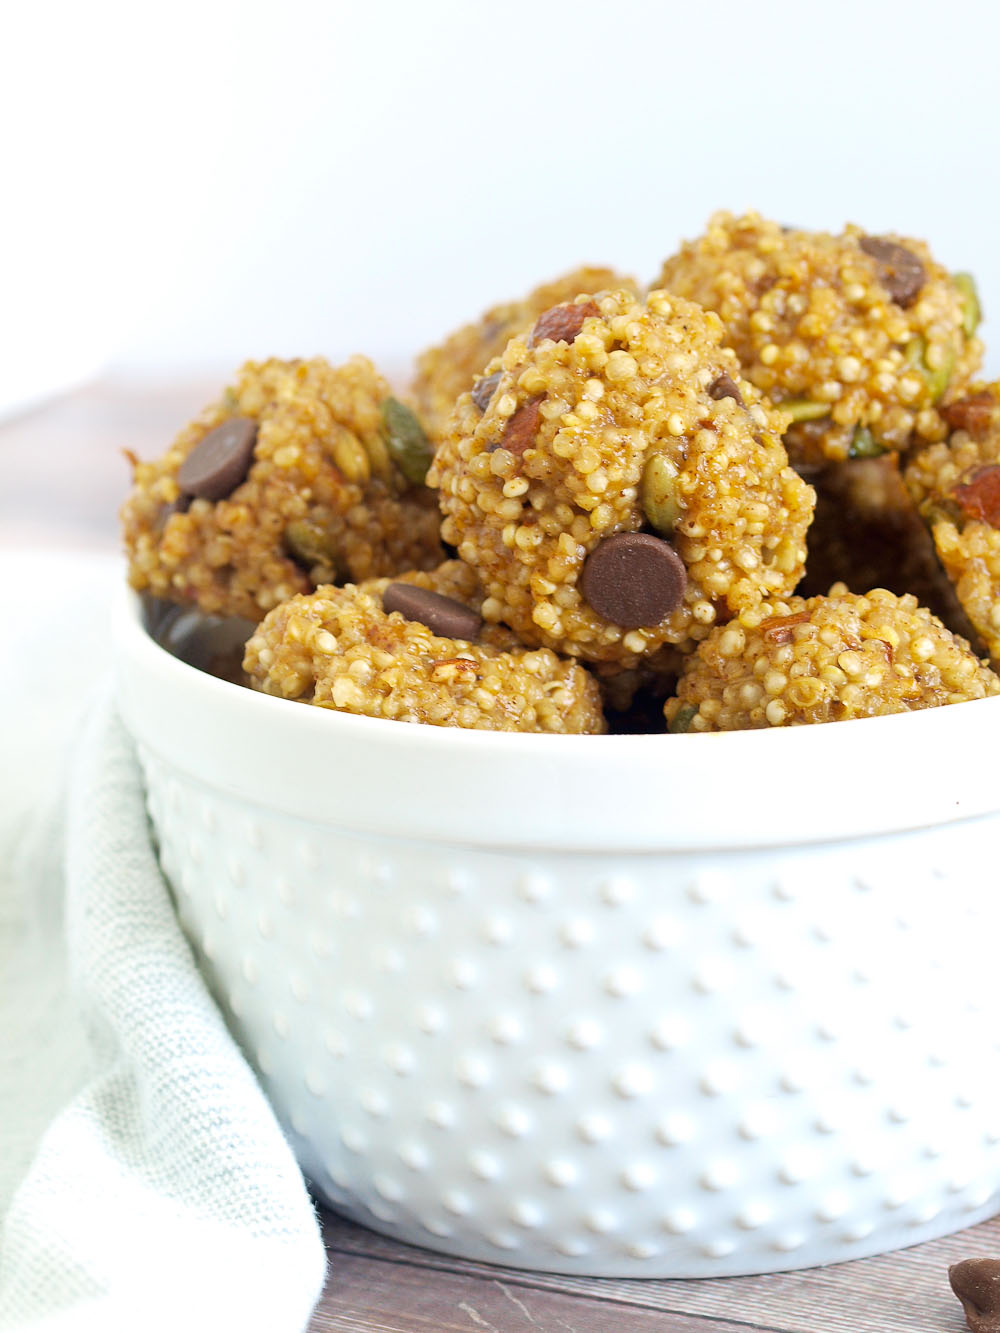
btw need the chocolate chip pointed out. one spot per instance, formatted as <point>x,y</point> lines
<point>179,506</point>
<point>562,323</point>
<point>220,460</point>
<point>442,615</point>
<point>979,497</point>
<point>900,271</point>
<point>633,579</point>
<point>724,387</point>
<point>520,431</point>
<point>976,1283</point>
<point>973,414</point>
<point>484,389</point>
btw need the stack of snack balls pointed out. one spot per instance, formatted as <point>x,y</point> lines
<point>764,492</point>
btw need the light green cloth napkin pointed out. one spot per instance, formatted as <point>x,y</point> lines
<point>144,1181</point>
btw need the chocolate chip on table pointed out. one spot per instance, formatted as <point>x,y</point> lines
<point>484,389</point>
<point>520,431</point>
<point>562,323</point>
<point>979,497</point>
<point>976,1283</point>
<point>219,461</point>
<point>633,579</point>
<point>973,413</point>
<point>442,615</point>
<point>724,387</point>
<point>900,271</point>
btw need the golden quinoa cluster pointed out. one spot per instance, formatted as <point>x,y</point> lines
<point>956,487</point>
<point>340,648</point>
<point>321,472</point>
<point>451,367</point>
<point>626,485</point>
<point>610,449</point>
<point>860,338</point>
<point>825,659</point>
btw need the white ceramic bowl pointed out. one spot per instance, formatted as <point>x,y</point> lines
<point>655,1006</point>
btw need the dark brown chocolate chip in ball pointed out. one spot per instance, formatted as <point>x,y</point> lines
<point>219,461</point>
<point>633,579</point>
<point>520,431</point>
<point>484,389</point>
<point>900,271</point>
<point>724,387</point>
<point>179,506</point>
<point>562,323</point>
<point>442,615</point>
<point>976,1283</point>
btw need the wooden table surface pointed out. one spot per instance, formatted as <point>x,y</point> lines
<point>63,477</point>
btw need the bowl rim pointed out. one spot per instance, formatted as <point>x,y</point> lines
<point>375,776</point>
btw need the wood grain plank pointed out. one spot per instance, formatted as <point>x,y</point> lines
<point>903,1292</point>
<point>380,1296</point>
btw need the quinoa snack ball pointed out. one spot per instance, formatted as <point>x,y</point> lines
<point>956,487</point>
<point>616,486</point>
<point>402,651</point>
<point>860,338</point>
<point>301,473</point>
<point>825,659</point>
<point>445,371</point>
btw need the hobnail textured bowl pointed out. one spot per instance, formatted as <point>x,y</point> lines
<point>667,1006</point>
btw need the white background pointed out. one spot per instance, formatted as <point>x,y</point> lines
<point>187,185</point>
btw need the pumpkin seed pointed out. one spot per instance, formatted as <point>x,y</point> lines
<point>307,542</point>
<point>349,455</point>
<point>972,311</point>
<point>804,409</point>
<point>913,353</point>
<point>683,718</point>
<point>864,444</point>
<point>406,441</point>
<point>915,358</point>
<point>937,380</point>
<point>378,455</point>
<point>658,495</point>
